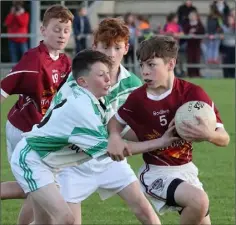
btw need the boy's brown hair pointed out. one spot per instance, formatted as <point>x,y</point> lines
<point>111,30</point>
<point>83,61</point>
<point>57,12</point>
<point>160,46</point>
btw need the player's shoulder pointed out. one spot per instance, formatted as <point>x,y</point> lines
<point>188,90</point>
<point>129,78</point>
<point>65,59</point>
<point>79,97</point>
<point>138,93</point>
<point>184,86</point>
<point>32,54</point>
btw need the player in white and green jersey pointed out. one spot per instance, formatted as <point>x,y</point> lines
<point>73,132</point>
<point>105,176</point>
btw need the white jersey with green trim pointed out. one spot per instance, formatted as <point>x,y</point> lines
<point>72,132</point>
<point>127,82</point>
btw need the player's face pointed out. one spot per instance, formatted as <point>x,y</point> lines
<point>116,51</point>
<point>56,34</point>
<point>98,80</point>
<point>155,72</point>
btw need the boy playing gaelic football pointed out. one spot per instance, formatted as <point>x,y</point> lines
<point>168,177</point>
<point>35,78</point>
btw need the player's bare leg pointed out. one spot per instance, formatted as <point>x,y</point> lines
<point>139,204</point>
<point>26,215</point>
<point>40,213</point>
<point>194,201</point>
<point>51,201</point>
<point>11,190</point>
<point>206,221</point>
<point>76,210</point>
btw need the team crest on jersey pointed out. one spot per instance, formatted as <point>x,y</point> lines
<point>63,75</point>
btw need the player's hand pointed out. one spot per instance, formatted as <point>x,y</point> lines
<point>198,133</point>
<point>170,135</point>
<point>117,148</point>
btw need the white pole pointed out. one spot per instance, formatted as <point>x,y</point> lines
<point>34,22</point>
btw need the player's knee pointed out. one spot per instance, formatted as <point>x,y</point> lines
<point>200,204</point>
<point>66,218</point>
<point>145,211</point>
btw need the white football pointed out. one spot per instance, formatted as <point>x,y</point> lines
<point>189,111</point>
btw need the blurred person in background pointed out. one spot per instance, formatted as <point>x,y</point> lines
<point>144,30</point>
<point>173,28</point>
<point>184,10</point>
<point>222,9</point>
<point>193,27</point>
<point>233,14</point>
<point>183,13</point>
<point>214,22</point>
<point>81,28</point>
<point>129,19</point>
<point>17,22</point>
<point>228,43</point>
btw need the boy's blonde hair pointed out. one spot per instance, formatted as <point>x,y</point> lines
<point>57,12</point>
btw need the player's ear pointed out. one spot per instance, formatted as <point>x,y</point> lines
<point>42,30</point>
<point>126,48</point>
<point>82,82</point>
<point>172,63</point>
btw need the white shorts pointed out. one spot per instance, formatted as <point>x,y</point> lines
<point>160,182</point>
<point>29,170</point>
<point>13,136</point>
<point>107,177</point>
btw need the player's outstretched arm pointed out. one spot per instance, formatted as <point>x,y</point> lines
<point>118,148</point>
<point>146,146</point>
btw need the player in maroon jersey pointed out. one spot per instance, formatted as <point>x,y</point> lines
<point>168,177</point>
<point>35,78</point>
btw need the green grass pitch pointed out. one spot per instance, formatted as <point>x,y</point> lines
<point>216,171</point>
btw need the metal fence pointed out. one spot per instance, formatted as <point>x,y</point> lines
<point>134,66</point>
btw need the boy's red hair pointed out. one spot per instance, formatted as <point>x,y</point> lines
<point>111,30</point>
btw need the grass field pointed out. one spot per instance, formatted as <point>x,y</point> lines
<point>216,166</point>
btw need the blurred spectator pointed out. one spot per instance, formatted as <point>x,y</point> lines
<point>193,49</point>
<point>214,22</point>
<point>172,26</point>
<point>233,14</point>
<point>174,29</point>
<point>229,46</point>
<point>143,28</point>
<point>17,22</point>
<point>184,10</point>
<point>221,8</point>
<point>82,29</point>
<point>129,19</point>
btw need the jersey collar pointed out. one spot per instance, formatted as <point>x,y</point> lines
<point>92,97</point>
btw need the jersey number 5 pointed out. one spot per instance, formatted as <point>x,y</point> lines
<point>163,120</point>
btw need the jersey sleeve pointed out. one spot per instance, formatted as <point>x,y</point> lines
<point>89,133</point>
<point>126,112</point>
<point>196,93</point>
<point>23,78</point>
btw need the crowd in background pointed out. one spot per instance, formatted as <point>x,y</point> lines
<point>217,41</point>
<point>215,46</point>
